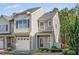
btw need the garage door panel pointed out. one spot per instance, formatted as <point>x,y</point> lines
<point>22,43</point>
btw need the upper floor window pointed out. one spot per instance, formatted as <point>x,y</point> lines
<point>4,27</point>
<point>16,24</point>
<point>22,23</point>
<point>49,23</point>
<point>41,25</point>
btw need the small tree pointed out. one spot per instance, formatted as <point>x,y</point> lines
<point>73,37</point>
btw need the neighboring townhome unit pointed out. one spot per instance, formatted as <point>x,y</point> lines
<point>5,32</point>
<point>49,28</point>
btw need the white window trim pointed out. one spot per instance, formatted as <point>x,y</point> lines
<point>48,23</point>
<point>3,28</point>
<point>40,26</point>
<point>18,24</point>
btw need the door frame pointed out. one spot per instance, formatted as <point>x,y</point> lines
<point>42,42</point>
<point>45,41</point>
<point>12,42</point>
<point>3,39</point>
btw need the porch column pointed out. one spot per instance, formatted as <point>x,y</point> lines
<point>15,42</point>
<point>36,42</point>
<point>5,42</point>
<point>51,41</point>
<point>30,41</point>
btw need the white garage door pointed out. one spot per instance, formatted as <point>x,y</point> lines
<point>1,43</point>
<point>22,43</point>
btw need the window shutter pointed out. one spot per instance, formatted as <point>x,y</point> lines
<point>16,24</point>
<point>6,27</point>
<point>28,23</point>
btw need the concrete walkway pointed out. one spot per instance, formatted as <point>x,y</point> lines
<point>28,53</point>
<point>48,53</point>
<point>16,53</point>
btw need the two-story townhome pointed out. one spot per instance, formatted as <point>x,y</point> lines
<point>29,30</point>
<point>48,30</point>
<point>25,28</point>
<point>6,29</point>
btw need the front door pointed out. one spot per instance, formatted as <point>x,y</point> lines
<point>44,42</point>
<point>41,44</point>
<point>10,42</point>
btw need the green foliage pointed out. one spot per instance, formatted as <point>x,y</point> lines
<point>55,9</point>
<point>14,14</point>
<point>54,47</point>
<point>71,52</point>
<point>73,37</point>
<point>77,9</point>
<point>9,48</point>
<point>43,49</point>
<point>69,20</point>
<point>65,52</point>
<point>55,50</point>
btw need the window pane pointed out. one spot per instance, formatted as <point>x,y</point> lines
<point>6,27</point>
<point>25,21</point>
<point>49,23</point>
<point>16,24</point>
<point>41,23</point>
<point>2,27</point>
<point>20,24</point>
<point>20,21</point>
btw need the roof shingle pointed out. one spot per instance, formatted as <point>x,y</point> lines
<point>47,16</point>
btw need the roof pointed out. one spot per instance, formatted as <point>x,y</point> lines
<point>6,17</point>
<point>31,10</point>
<point>47,16</point>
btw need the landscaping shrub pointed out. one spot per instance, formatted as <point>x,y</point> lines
<point>43,49</point>
<point>64,52</point>
<point>53,47</point>
<point>55,50</point>
<point>9,48</point>
<point>71,52</point>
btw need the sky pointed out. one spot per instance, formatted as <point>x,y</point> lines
<point>9,8</point>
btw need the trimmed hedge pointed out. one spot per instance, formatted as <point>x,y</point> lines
<point>9,48</point>
<point>51,49</point>
<point>54,47</point>
<point>43,49</point>
<point>64,52</point>
<point>55,50</point>
<point>71,52</point>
